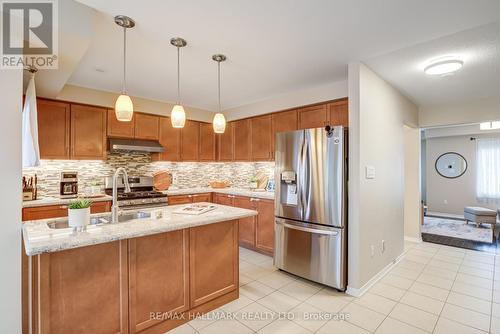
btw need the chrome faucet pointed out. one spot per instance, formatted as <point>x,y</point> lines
<point>115,208</point>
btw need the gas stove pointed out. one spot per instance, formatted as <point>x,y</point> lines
<point>142,193</point>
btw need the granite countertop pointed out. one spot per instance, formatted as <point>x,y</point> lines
<point>60,201</point>
<point>229,191</point>
<point>39,238</point>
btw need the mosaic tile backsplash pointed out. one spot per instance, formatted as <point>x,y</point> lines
<point>186,174</point>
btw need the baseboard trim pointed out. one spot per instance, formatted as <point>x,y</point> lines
<point>417,240</point>
<point>355,292</point>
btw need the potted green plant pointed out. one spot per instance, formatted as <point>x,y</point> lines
<point>79,213</point>
<point>95,187</point>
<point>253,182</point>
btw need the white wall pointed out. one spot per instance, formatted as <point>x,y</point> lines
<point>107,99</point>
<point>412,211</point>
<point>461,112</point>
<point>325,92</point>
<point>10,203</point>
<point>452,195</point>
<point>377,113</point>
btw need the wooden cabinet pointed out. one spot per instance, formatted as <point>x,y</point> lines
<point>191,198</point>
<point>82,290</point>
<point>282,122</point>
<point>147,126</point>
<point>119,129</point>
<point>242,140</point>
<point>246,225</point>
<point>170,139</point>
<point>53,129</point>
<point>224,199</point>
<point>313,117</point>
<point>219,275</point>
<point>88,132</point>
<point>264,236</point>
<point>190,137</point>
<point>338,112</point>
<point>55,211</point>
<point>159,278</point>
<point>225,144</point>
<point>261,131</point>
<point>207,142</point>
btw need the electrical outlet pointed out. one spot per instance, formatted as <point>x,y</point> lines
<point>373,250</point>
<point>383,246</point>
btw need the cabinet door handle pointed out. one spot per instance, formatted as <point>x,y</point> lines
<point>190,196</point>
<point>254,199</point>
<point>231,196</point>
<point>63,207</point>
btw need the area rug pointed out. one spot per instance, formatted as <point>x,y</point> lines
<point>457,229</point>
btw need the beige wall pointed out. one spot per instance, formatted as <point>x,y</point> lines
<point>107,99</point>
<point>377,113</point>
<point>325,92</point>
<point>412,210</point>
<point>452,195</point>
<point>10,203</point>
<point>473,111</point>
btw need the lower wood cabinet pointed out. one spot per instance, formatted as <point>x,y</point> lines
<point>246,225</point>
<point>264,236</point>
<point>145,285</point>
<point>224,199</point>
<point>158,278</point>
<point>55,211</point>
<point>81,290</point>
<point>214,266</point>
<point>192,198</point>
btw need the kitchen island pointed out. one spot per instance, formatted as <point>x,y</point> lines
<point>141,276</point>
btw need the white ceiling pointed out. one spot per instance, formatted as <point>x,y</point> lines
<point>479,48</point>
<point>273,47</point>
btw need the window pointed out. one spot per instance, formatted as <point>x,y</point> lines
<point>488,168</point>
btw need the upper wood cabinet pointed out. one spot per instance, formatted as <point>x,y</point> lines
<point>282,122</point>
<point>225,144</point>
<point>242,140</point>
<point>53,129</point>
<point>338,112</point>
<point>88,132</point>
<point>190,137</point>
<point>159,278</point>
<point>118,128</point>
<point>170,139</point>
<point>313,117</point>
<point>147,126</point>
<point>261,132</point>
<point>207,142</point>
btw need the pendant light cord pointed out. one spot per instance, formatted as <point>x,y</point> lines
<point>178,77</point>
<point>218,79</point>
<point>124,60</point>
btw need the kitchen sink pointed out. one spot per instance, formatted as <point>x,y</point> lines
<point>123,217</point>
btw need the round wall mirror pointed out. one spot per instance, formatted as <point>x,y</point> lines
<point>451,165</point>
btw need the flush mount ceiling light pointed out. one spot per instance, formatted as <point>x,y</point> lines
<point>495,125</point>
<point>124,108</point>
<point>444,66</point>
<point>219,121</point>
<point>178,115</point>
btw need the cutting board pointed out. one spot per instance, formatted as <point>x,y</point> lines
<point>162,180</point>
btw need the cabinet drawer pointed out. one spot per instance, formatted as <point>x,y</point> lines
<point>207,197</point>
<point>179,199</point>
<point>56,211</point>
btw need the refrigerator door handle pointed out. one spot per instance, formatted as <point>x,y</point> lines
<point>306,229</point>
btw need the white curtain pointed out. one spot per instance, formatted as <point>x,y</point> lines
<point>488,169</point>
<point>31,151</point>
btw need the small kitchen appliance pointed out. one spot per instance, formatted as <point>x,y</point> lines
<point>141,195</point>
<point>68,186</point>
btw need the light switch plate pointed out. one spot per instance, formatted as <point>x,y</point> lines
<point>370,172</point>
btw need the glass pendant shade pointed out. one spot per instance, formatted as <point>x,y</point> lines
<point>178,116</point>
<point>124,109</point>
<point>219,123</point>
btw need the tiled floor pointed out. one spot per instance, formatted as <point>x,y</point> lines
<point>433,289</point>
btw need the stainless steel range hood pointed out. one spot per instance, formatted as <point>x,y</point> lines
<point>135,145</point>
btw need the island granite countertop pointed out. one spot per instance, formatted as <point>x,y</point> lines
<point>39,238</point>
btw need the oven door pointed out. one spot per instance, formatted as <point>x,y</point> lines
<point>317,253</point>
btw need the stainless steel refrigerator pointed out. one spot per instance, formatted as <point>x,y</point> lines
<point>311,204</point>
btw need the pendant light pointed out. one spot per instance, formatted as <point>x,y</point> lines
<point>124,108</point>
<point>178,115</point>
<point>219,121</point>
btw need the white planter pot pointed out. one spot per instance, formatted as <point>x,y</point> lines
<point>78,217</point>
